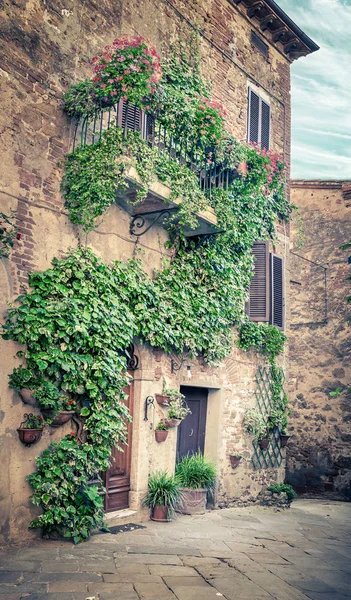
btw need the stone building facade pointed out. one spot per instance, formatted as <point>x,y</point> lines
<point>47,47</point>
<point>319,452</point>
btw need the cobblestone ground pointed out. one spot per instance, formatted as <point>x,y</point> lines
<point>234,554</point>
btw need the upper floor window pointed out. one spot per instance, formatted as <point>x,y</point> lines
<point>266,293</point>
<point>259,120</point>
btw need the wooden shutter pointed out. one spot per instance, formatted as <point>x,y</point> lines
<point>277,291</point>
<point>253,117</point>
<point>130,117</point>
<point>265,124</point>
<point>259,120</point>
<point>258,309</point>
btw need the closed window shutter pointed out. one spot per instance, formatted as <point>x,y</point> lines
<point>132,114</point>
<point>265,124</point>
<point>277,291</point>
<point>258,123</point>
<point>254,117</point>
<point>258,307</point>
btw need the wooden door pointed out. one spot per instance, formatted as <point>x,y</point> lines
<point>116,480</point>
<point>191,431</point>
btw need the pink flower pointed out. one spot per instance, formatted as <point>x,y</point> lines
<point>119,78</point>
<point>103,85</point>
<point>121,58</point>
<point>127,72</point>
<point>110,81</point>
<point>114,93</point>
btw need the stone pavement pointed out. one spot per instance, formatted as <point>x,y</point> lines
<point>248,553</point>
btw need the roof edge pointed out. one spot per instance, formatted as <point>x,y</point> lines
<point>295,28</point>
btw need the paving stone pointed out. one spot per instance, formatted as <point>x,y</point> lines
<point>239,589</point>
<point>269,559</point>
<point>243,563</point>
<point>59,567</point>
<point>154,591</point>
<point>195,593</point>
<point>155,559</point>
<point>312,585</point>
<point>42,553</point>
<point>132,578</point>
<point>165,550</point>
<point>98,567</point>
<point>99,588</point>
<point>22,588</point>
<point>274,585</point>
<point>126,569</point>
<point>19,565</point>
<point>10,576</point>
<point>329,596</point>
<point>131,595</point>
<point>10,597</point>
<point>172,581</point>
<point>49,577</point>
<point>68,586</point>
<point>193,561</point>
<point>172,570</point>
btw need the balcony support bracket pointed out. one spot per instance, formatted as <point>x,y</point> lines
<point>141,223</point>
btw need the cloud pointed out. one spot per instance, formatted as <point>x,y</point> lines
<point>321,90</point>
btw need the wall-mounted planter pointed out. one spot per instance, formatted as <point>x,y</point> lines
<point>29,436</point>
<point>174,422</point>
<point>27,396</point>
<point>62,417</point>
<point>264,443</point>
<point>284,440</point>
<point>162,399</point>
<point>234,461</point>
<point>161,435</point>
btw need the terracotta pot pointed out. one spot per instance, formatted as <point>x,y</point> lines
<point>284,439</point>
<point>61,418</point>
<point>174,422</point>
<point>30,436</point>
<point>160,513</point>
<point>264,443</point>
<point>27,396</point>
<point>193,502</point>
<point>235,461</point>
<point>161,435</point>
<point>162,399</point>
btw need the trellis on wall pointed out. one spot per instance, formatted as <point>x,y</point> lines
<point>272,457</point>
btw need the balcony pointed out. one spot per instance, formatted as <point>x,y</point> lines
<point>157,206</point>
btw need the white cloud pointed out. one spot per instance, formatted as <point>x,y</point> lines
<point>321,90</point>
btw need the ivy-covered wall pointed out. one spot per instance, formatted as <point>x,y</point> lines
<point>37,135</point>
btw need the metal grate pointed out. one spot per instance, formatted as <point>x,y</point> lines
<point>272,457</point>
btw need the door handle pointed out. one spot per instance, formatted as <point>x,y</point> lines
<point>191,433</point>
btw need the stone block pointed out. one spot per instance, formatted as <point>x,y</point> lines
<point>154,591</point>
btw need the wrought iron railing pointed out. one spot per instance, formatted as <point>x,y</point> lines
<point>211,174</point>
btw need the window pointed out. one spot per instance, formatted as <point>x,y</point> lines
<point>258,123</point>
<point>259,43</point>
<point>266,292</point>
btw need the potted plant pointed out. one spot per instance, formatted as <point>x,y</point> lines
<point>161,431</point>
<point>57,409</point>
<point>31,429</point>
<point>257,427</point>
<point>163,496</point>
<point>178,410</point>
<point>196,475</point>
<point>22,380</point>
<point>279,418</point>
<point>164,398</point>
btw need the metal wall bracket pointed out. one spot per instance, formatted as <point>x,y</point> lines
<point>148,402</point>
<point>139,226</point>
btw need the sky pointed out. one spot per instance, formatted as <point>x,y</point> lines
<point>321,91</point>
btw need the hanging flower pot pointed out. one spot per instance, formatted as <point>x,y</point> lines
<point>62,417</point>
<point>174,422</point>
<point>161,435</point>
<point>31,429</point>
<point>234,461</point>
<point>264,443</point>
<point>284,439</point>
<point>162,399</point>
<point>27,396</point>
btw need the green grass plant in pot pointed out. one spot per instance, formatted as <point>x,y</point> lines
<point>257,426</point>
<point>197,475</point>
<point>163,496</point>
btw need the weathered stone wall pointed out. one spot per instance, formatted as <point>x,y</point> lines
<point>45,47</point>
<point>319,452</point>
